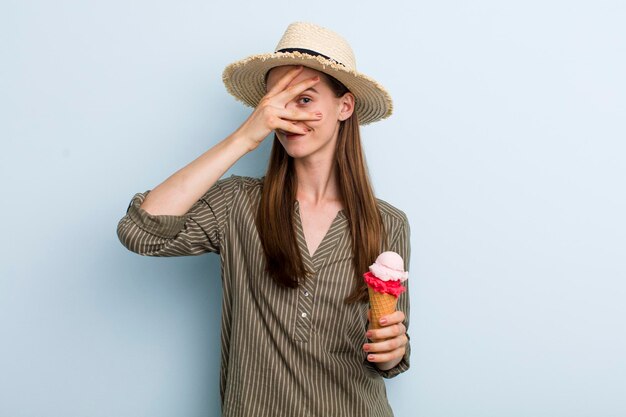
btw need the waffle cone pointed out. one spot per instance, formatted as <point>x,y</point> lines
<point>381,304</point>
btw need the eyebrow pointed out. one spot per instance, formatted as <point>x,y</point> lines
<point>312,89</point>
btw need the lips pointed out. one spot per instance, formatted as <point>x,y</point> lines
<point>290,135</point>
<point>293,137</point>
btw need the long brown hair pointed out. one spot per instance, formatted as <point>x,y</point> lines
<point>275,222</point>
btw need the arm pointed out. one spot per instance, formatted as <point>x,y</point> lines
<point>184,214</point>
<point>177,194</point>
<point>198,231</point>
<point>391,356</point>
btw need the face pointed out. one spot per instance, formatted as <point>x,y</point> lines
<point>320,141</point>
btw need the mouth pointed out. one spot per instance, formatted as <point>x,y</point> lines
<point>291,136</point>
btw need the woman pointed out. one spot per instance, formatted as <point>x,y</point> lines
<point>295,243</point>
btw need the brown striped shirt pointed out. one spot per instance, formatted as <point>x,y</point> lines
<point>285,352</point>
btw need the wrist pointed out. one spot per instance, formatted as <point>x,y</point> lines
<point>243,140</point>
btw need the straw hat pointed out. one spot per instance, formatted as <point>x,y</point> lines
<point>315,47</point>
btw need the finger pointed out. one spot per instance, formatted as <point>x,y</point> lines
<point>387,356</point>
<point>284,81</point>
<point>292,91</point>
<point>287,126</point>
<point>393,318</point>
<point>387,332</point>
<point>387,345</point>
<point>294,114</point>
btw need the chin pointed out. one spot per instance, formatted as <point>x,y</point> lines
<point>296,153</point>
<point>294,150</point>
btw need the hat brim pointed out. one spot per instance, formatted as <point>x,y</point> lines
<point>245,80</point>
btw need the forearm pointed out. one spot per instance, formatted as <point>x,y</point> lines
<point>181,190</point>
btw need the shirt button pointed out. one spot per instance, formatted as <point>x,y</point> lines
<point>303,314</point>
<point>306,293</point>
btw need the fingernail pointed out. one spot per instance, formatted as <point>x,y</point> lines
<point>383,321</point>
<point>366,347</point>
<point>370,357</point>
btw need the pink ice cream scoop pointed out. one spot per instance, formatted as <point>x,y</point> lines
<point>386,274</point>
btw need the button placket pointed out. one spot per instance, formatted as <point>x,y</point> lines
<point>305,309</point>
<point>306,291</point>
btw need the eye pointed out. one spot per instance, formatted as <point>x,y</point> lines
<point>305,98</point>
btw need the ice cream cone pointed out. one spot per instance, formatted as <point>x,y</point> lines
<point>381,304</point>
<point>384,285</point>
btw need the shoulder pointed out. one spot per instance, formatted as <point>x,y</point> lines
<point>233,190</point>
<point>241,183</point>
<point>395,220</point>
<point>391,213</point>
<point>397,229</point>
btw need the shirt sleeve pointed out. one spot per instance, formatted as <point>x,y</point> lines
<point>402,245</point>
<point>198,231</point>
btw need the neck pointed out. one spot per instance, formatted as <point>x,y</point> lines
<point>317,180</point>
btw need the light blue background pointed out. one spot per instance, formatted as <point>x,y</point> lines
<point>506,150</point>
